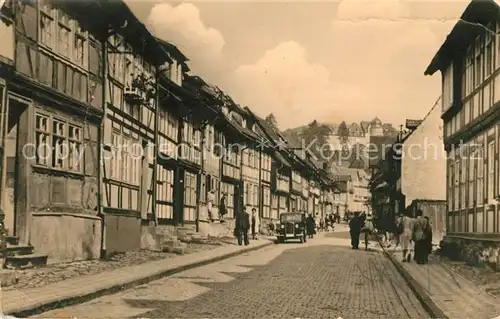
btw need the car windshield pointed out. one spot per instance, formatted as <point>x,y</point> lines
<point>291,218</point>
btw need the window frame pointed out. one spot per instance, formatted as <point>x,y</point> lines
<point>50,137</point>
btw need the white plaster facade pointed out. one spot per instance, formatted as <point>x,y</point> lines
<point>423,164</point>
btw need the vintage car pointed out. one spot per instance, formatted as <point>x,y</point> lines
<point>292,226</point>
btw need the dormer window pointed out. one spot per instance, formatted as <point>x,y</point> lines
<point>225,110</point>
<point>244,123</point>
<point>254,128</point>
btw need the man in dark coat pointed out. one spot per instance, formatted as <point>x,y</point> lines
<point>355,225</point>
<point>242,226</point>
<point>311,225</point>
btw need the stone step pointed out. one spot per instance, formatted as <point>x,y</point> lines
<point>19,249</point>
<point>172,238</point>
<point>171,243</point>
<point>12,240</point>
<point>26,261</point>
<point>176,249</point>
<point>186,238</point>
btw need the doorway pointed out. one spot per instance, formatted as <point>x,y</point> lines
<point>15,163</point>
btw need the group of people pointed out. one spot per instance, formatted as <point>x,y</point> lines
<point>328,222</point>
<point>245,223</point>
<point>222,211</point>
<point>415,233</point>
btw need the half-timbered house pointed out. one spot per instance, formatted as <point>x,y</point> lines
<point>241,157</point>
<point>209,185</point>
<point>278,187</point>
<point>469,62</point>
<point>169,193</point>
<point>54,101</point>
<point>133,63</point>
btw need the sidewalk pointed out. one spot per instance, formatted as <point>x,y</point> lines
<point>446,294</point>
<point>26,302</point>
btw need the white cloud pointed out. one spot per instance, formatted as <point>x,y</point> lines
<point>297,91</point>
<point>183,26</point>
<point>392,42</point>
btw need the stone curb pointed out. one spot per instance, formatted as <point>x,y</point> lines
<point>48,305</point>
<point>423,297</point>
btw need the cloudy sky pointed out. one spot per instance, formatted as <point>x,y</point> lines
<point>330,61</point>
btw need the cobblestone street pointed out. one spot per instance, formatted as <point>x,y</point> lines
<point>320,279</point>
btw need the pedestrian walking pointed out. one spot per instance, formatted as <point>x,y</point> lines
<point>254,223</point>
<point>242,226</point>
<point>406,239</point>
<point>367,230</point>
<point>429,239</point>
<point>210,204</point>
<point>421,232</point>
<point>317,221</point>
<point>398,229</point>
<point>355,226</point>
<point>310,224</point>
<point>222,207</point>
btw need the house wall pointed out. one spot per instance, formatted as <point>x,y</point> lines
<point>65,236</point>
<point>423,164</point>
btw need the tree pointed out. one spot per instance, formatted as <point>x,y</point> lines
<point>271,120</point>
<point>317,135</point>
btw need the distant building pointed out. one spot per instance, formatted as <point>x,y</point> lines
<point>361,133</point>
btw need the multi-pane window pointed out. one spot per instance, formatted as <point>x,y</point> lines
<point>255,194</point>
<point>65,34</point>
<point>447,99</point>
<point>491,170</point>
<point>229,190</point>
<point>214,185</point>
<point>480,177</point>
<point>472,178</point>
<point>282,205</point>
<point>164,192</point>
<point>75,147</point>
<point>42,140</point>
<point>47,25</point>
<point>58,143</point>
<point>463,180</point>
<point>190,189</point>
<point>191,139</point>
<point>266,202</point>
<point>126,160</point>
<point>189,197</point>
<point>266,167</point>
<point>79,45</point>
<point>274,207</point>
<point>251,195</point>
<point>167,126</point>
